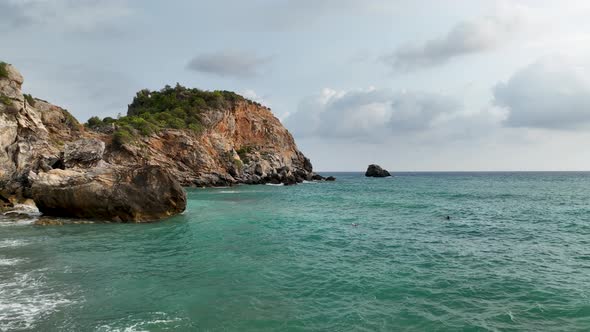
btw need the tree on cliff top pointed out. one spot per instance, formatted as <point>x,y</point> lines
<point>190,100</point>
<point>172,107</point>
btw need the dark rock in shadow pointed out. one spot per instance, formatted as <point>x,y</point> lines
<point>118,194</point>
<point>376,171</point>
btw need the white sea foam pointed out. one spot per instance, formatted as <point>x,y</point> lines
<point>229,192</point>
<point>275,185</point>
<point>12,243</point>
<point>21,214</point>
<point>140,326</point>
<point>24,300</point>
<point>6,221</point>
<point>9,261</point>
<point>23,209</point>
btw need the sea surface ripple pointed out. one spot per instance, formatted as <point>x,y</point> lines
<point>358,254</point>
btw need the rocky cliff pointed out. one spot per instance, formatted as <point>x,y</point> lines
<point>48,156</point>
<point>32,134</point>
<point>241,142</point>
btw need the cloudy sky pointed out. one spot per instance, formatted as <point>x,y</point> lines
<point>411,85</point>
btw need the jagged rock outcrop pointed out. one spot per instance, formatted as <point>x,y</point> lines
<point>11,83</point>
<point>24,139</point>
<point>45,154</point>
<point>83,153</point>
<point>376,171</point>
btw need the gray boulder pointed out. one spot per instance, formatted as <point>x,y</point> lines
<point>83,153</point>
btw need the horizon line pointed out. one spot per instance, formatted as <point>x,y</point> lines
<point>470,171</point>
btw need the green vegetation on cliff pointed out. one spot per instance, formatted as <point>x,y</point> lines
<point>70,120</point>
<point>3,70</point>
<point>5,100</point>
<point>29,99</point>
<point>172,107</point>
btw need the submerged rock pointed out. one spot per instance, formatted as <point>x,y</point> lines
<point>317,177</point>
<point>376,171</point>
<point>55,221</point>
<point>118,194</point>
<point>49,222</point>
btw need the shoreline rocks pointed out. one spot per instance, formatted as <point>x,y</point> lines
<point>376,171</point>
<point>47,156</point>
<point>119,194</point>
<point>73,171</point>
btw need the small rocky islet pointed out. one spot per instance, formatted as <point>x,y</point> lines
<point>376,171</point>
<point>133,168</point>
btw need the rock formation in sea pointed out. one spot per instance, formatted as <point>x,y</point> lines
<point>131,168</point>
<point>376,171</point>
<point>205,139</point>
<point>116,193</point>
<point>47,156</point>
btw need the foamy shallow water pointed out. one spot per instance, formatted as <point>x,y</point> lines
<point>21,214</point>
<point>515,255</point>
<point>24,301</point>
<point>145,323</point>
<point>12,243</point>
<point>24,295</point>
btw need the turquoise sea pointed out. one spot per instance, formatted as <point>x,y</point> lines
<point>514,256</point>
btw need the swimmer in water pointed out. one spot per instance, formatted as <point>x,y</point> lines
<point>354,225</point>
<point>448,217</point>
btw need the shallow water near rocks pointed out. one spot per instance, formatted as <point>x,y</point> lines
<point>515,255</point>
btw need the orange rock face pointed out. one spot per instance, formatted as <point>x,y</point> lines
<point>243,144</point>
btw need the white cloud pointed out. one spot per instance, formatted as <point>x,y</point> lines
<point>107,93</point>
<point>340,114</point>
<point>552,93</point>
<point>465,38</point>
<point>291,13</point>
<point>417,111</point>
<point>378,113</point>
<point>252,95</point>
<point>79,16</point>
<point>229,63</point>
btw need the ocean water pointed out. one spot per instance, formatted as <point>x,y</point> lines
<point>515,256</point>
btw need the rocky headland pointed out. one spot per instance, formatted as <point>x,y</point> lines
<point>132,168</point>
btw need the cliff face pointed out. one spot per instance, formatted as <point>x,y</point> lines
<point>32,134</point>
<point>42,144</point>
<point>241,144</point>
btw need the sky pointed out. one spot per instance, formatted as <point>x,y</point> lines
<point>412,85</point>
